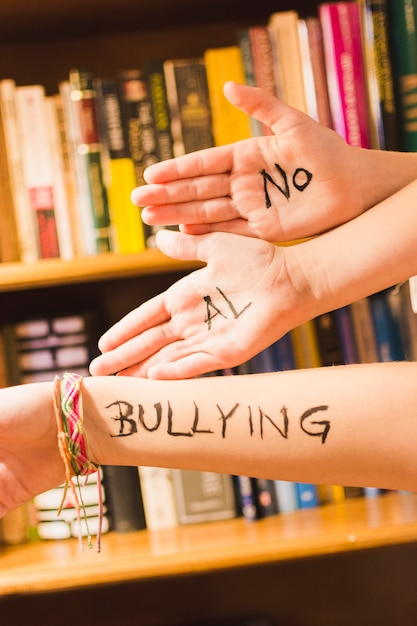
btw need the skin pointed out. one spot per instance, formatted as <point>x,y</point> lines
<point>368,413</point>
<point>219,197</point>
<point>168,337</point>
<point>221,189</point>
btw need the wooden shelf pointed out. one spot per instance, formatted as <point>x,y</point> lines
<point>74,17</point>
<point>52,272</point>
<point>355,525</point>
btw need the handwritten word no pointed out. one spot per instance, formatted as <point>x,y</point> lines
<point>301,178</point>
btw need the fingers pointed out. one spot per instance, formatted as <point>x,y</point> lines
<point>187,367</point>
<point>132,351</point>
<point>204,212</point>
<point>183,190</point>
<point>186,247</point>
<point>200,163</point>
<point>237,226</point>
<point>149,314</point>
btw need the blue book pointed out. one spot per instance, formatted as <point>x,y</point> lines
<point>388,337</point>
<point>284,353</point>
<point>307,495</point>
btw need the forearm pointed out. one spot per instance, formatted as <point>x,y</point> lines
<point>372,252</point>
<point>382,173</point>
<point>345,425</point>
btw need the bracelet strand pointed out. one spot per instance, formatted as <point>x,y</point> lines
<point>73,448</point>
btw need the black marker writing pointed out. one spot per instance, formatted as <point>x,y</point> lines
<point>325,423</point>
<point>301,178</point>
<point>210,307</point>
<point>163,416</point>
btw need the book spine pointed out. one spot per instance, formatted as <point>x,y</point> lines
<point>203,496</point>
<point>305,346</point>
<point>364,331</point>
<point>284,353</point>
<point>154,69</point>
<point>69,176</point>
<point>229,124</point>
<point>84,100</point>
<point>9,240</point>
<point>124,216</point>
<point>245,497</point>
<point>266,497</point>
<point>25,219</point>
<point>342,38</point>
<point>346,335</point>
<point>189,103</point>
<point>403,38</point>
<point>64,226</point>
<point>38,170</point>
<point>387,334</point>
<point>141,130</point>
<point>263,64</point>
<point>286,493</point>
<point>328,337</point>
<point>307,495</point>
<point>245,46</point>
<point>284,30</point>
<point>158,497</point>
<point>383,112</point>
<point>318,69</point>
<point>124,498</point>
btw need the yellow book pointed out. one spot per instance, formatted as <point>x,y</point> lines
<point>128,235</point>
<point>229,124</point>
<point>126,222</point>
<point>305,346</point>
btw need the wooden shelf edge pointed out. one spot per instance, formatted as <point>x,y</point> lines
<point>52,272</point>
<point>41,567</point>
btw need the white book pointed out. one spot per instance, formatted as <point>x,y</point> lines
<point>38,168</point>
<point>84,220</point>
<point>203,496</point>
<point>62,209</point>
<point>25,218</point>
<point>158,497</point>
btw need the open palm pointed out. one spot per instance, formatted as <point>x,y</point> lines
<point>288,185</point>
<point>218,316</point>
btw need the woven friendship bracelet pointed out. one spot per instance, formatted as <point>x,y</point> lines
<point>73,448</point>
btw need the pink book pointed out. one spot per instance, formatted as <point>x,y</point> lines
<point>345,71</point>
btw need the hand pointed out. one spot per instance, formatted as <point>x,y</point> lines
<point>218,316</point>
<point>30,462</point>
<point>289,185</point>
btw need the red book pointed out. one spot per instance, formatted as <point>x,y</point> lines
<point>343,49</point>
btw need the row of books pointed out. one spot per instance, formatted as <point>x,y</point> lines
<point>382,327</point>
<point>70,160</point>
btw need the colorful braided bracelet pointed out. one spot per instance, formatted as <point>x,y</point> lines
<point>73,447</point>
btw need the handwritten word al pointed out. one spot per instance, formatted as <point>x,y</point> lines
<point>213,310</point>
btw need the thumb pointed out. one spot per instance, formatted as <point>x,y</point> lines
<point>178,245</point>
<point>258,103</point>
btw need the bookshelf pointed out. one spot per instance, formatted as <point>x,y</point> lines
<point>351,563</point>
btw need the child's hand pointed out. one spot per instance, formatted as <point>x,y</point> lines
<point>302,180</point>
<point>245,298</point>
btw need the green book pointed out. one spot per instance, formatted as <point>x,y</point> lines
<point>403,39</point>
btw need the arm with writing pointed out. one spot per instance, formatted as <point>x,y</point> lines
<point>351,425</point>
